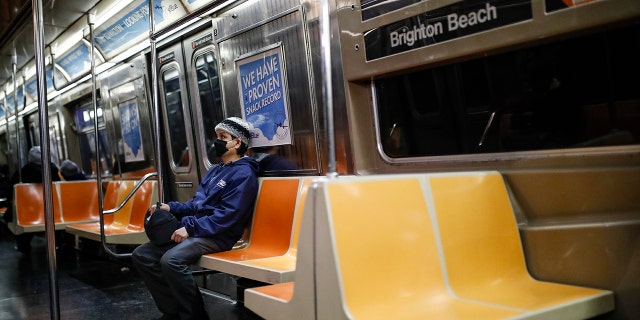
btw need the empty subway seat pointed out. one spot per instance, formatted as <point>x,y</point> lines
<point>374,256</point>
<point>291,300</point>
<point>78,201</point>
<point>125,226</point>
<point>483,253</point>
<point>380,257</point>
<point>270,234</point>
<point>278,269</point>
<point>28,208</point>
<point>373,248</point>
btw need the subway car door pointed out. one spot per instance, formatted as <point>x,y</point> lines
<point>205,95</point>
<point>181,131</point>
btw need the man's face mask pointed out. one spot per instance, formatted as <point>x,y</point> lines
<point>220,146</point>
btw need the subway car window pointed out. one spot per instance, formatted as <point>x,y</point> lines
<point>210,98</point>
<point>175,118</point>
<point>53,134</point>
<point>84,119</point>
<point>537,98</point>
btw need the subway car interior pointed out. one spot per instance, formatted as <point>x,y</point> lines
<point>418,159</point>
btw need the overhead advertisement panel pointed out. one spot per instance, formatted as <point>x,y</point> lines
<point>444,24</point>
<point>131,25</point>
<point>77,61</point>
<point>32,85</point>
<point>11,105</point>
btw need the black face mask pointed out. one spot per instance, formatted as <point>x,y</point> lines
<point>221,147</point>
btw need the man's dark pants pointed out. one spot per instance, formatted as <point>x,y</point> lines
<point>166,272</point>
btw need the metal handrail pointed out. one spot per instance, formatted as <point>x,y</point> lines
<point>103,236</point>
<point>135,188</point>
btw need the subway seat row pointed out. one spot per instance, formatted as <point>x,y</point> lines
<point>126,225</point>
<point>72,201</point>
<point>75,209</point>
<point>371,247</point>
<point>416,246</point>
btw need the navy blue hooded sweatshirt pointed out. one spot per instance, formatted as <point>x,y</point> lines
<point>223,203</point>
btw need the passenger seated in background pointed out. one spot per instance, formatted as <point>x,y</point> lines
<point>30,173</point>
<point>269,160</point>
<point>212,221</point>
<point>69,171</point>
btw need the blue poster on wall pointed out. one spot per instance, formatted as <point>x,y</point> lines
<point>263,96</point>
<point>130,123</point>
<point>32,85</point>
<point>132,24</point>
<point>77,61</point>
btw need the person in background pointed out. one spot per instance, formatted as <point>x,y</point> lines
<point>30,173</point>
<point>69,171</point>
<point>212,221</point>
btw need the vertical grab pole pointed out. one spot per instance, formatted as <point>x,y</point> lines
<point>38,36</point>
<point>94,101</point>
<point>15,113</point>
<point>96,128</point>
<point>14,63</point>
<point>6,123</point>
<point>154,102</point>
<point>327,87</point>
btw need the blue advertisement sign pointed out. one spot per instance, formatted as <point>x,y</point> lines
<point>132,24</point>
<point>77,61</point>
<point>11,105</point>
<point>131,136</point>
<point>32,86</point>
<point>263,97</point>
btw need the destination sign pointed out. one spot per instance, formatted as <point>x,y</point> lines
<point>443,24</point>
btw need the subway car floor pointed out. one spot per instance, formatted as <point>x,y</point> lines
<point>91,286</point>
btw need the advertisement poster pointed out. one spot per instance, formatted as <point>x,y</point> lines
<point>132,139</point>
<point>131,25</point>
<point>263,96</point>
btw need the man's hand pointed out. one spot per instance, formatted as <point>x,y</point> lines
<point>159,206</point>
<point>179,235</point>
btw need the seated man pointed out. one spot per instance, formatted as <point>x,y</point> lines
<point>212,221</point>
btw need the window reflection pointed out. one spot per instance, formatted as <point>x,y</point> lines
<point>175,118</point>
<point>210,99</point>
<point>84,118</point>
<point>536,98</point>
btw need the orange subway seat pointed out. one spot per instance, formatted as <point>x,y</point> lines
<point>272,222</point>
<point>78,201</point>
<point>29,208</point>
<point>483,253</point>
